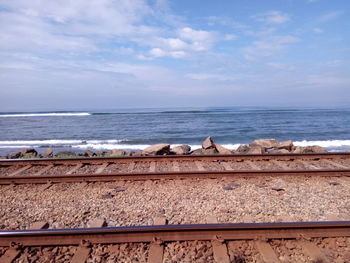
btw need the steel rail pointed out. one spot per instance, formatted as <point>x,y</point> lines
<point>169,233</point>
<point>109,177</point>
<point>91,160</point>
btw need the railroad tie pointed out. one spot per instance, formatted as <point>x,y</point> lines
<point>226,166</point>
<point>267,253</point>
<point>10,255</point>
<point>82,253</point>
<point>156,248</point>
<point>131,167</point>
<point>338,165</point>
<point>160,220</point>
<point>253,165</point>
<point>279,164</point>
<point>176,166</point>
<point>199,166</point>
<point>313,251</point>
<point>152,167</point>
<point>219,247</point>
<point>220,251</point>
<point>101,168</point>
<point>43,170</point>
<point>45,186</point>
<point>308,165</point>
<point>98,223</point>
<point>75,168</point>
<point>21,170</point>
<point>156,252</point>
<point>40,225</point>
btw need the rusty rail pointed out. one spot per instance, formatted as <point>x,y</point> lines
<point>92,160</point>
<point>169,233</point>
<point>108,177</point>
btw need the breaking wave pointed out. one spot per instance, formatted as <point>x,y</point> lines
<point>112,144</point>
<point>49,114</point>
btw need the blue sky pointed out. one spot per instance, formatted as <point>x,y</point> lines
<point>61,55</point>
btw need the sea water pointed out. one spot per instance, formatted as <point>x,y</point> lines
<point>138,128</point>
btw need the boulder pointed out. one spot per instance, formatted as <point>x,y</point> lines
<point>157,149</point>
<point>242,149</point>
<point>197,152</point>
<point>14,155</point>
<point>256,149</point>
<point>181,150</point>
<point>48,152</point>
<point>137,153</point>
<point>89,153</point>
<point>28,153</point>
<point>279,151</point>
<point>309,149</point>
<point>208,143</point>
<point>99,153</point>
<point>117,152</point>
<point>250,149</point>
<point>265,143</point>
<point>65,154</point>
<point>209,151</point>
<point>221,149</point>
<point>288,145</point>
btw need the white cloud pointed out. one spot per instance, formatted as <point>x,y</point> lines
<point>280,66</point>
<point>230,37</point>
<point>272,17</point>
<point>330,16</point>
<point>268,46</point>
<point>317,30</point>
<point>158,52</point>
<point>208,76</point>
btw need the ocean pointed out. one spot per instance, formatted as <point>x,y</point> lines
<point>138,128</point>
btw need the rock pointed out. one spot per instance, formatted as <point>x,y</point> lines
<point>208,143</point>
<point>309,149</point>
<point>221,149</point>
<point>181,150</point>
<point>288,145</point>
<point>117,152</point>
<point>279,151</point>
<point>28,153</point>
<point>157,149</point>
<point>242,149</point>
<point>14,155</point>
<point>48,152</point>
<point>138,153</point>
<point>210,151</point>
<point>256,149</point>
<point>265,143</point>
<point>197,152</point>
<point>65,154</point>
<point>89,153</point>
<point>99,153</point>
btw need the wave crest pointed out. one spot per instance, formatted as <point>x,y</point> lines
<point>50,114</point>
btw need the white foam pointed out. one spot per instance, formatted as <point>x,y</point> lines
<point>325,144</point>
<point>41,142</point>
<point>19,146</point>
<point>53,114</point>
<point>111,146</point>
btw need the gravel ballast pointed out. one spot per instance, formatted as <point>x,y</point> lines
<point>190,201</point>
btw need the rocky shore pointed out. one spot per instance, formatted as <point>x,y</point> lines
<point>260,146</point>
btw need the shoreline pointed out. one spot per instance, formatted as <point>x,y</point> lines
<point>259,146</point>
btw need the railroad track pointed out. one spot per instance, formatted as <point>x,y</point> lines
<point>262,236</point>
<point>20,171</point>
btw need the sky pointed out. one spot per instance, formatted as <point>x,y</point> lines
<point>104,54</point>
